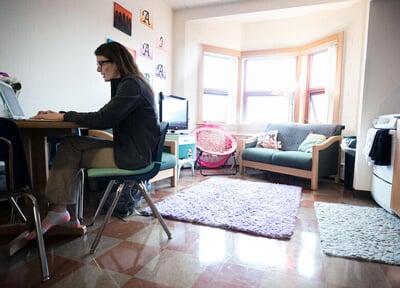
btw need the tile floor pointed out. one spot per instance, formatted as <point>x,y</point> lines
<point>137,253</point>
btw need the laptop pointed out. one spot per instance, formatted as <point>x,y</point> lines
<point>11,102</point>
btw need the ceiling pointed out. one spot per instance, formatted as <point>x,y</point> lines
<point>261,15</point>
<point>186,4</point>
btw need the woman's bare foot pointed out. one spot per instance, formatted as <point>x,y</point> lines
<point>73,223</point>
<point>53,218</point>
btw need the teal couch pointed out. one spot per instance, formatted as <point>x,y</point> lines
<point>324,160</point>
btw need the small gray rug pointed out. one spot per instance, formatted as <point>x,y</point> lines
<point>258,208</point>
<point>365,233</point>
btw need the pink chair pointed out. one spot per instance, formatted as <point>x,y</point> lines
<point>214,148</point>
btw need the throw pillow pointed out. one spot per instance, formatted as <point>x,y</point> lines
<point>311,140</point>
<point>269,140</point>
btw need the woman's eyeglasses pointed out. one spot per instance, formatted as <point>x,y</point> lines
<point>100,63</point>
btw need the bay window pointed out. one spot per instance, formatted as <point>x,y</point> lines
<point>268,90</point>
<point>300,84</point>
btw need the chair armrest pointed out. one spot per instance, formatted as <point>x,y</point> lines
<point>100,134</point>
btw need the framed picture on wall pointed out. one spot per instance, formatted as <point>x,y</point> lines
<point>122,19</point>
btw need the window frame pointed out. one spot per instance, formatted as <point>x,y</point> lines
<point>302,91</point>
<point>209,49</point>
<point>314,48</point>
<point>246,55</point>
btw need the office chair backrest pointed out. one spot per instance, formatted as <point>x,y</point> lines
<point>158,157</point>
<point>21,177</point>
<point>160,147</point>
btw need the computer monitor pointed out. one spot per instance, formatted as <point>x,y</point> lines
<point>10,101</point>
<point>174,110</point>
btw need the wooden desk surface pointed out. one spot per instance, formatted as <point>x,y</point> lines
<point>45,124</point>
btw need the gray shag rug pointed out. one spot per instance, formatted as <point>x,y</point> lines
<point>364,233</point>
<point>257,208</point>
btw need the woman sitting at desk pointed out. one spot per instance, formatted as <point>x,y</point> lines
<point>132,115</point>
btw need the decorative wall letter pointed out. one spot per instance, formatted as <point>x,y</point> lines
<point>160,71</point>
<point>145,52</point>
<point>146,18</point>
<point>149,78</point>
<point>160,43</point>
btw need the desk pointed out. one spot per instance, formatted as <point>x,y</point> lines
<point>34,134</point>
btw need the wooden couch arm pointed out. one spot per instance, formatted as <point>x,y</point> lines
<point>100,134</point>
<point>327,143</point>
<point>172,145</point>
<point>316,155</point>
<point>172,173</point>
<point>246,141</point>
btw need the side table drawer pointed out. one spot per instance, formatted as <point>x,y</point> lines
<point>186,144</point>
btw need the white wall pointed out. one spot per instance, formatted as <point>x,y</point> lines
<point>49,46</point>
<point>215,27</point>
<point>381,91</point>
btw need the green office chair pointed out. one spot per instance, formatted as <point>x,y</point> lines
<point>121,177</point>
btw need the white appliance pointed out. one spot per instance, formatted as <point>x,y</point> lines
<point>382,176</point>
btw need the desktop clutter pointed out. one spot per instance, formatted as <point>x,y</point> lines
<point>12,81</point>
<point>10,104</point>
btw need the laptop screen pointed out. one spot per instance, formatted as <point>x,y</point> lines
<point>10,100</point>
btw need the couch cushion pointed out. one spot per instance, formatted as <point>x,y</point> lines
<point>168,160</point>
<point>292,135</point>
<point>293,159</point>
<point>311,140</point>
<point>269,140</point>
<point>263,155</point>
